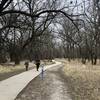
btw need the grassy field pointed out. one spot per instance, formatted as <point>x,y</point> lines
<point>83,80</point>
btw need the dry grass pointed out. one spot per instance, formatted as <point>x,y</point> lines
<point>47,62</point>
<point>83,80</point>
<point>10,67</point>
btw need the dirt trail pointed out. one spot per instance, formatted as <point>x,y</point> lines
<point>52,87</point>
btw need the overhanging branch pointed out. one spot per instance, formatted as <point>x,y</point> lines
<point>38,14</point>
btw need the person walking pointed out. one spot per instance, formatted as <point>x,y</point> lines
<point>26,65</point>
<point>37,62</point>
<point>42,71</point>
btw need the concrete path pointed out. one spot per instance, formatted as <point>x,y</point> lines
<point>11,87</point>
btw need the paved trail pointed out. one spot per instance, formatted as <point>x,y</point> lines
<point>12,86</point>
<point>52,87</point>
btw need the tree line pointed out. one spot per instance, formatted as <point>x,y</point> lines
<point>28,30</point>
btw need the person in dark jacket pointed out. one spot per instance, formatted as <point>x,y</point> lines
<point>37,62</point>
<point>26,65</point>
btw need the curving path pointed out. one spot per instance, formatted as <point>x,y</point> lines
<point>52,87</point>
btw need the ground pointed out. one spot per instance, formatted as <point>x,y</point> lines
<point>83,80</point>
<point>52,87</point>
<point>71,81</point>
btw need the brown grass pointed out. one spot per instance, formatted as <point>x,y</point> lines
<point>83,80</point>
<point>47,62</point>
<point>10,67</point>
